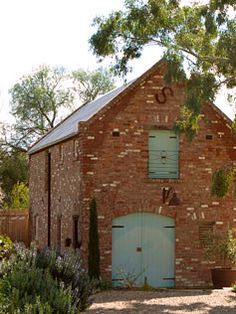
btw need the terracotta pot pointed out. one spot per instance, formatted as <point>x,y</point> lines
<point>223,277</point>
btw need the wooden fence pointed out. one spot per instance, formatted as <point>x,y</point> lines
<point>15,224</point>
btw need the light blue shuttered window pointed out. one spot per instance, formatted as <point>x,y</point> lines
<point>163,148</point>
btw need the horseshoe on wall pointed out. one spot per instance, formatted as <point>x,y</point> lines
<point>164,95</point>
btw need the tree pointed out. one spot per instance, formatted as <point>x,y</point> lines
<point>198,41</point>
<point>13,169</point>
<point>1,196</point>
<point>19,197</point>
<point>89,85</point>
<point>93,245</point>
<point>36,100</point>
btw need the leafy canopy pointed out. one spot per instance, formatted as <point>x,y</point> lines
<point>198,41</point>
<point>89,85</point>
<point>19,197</point>
<point>38,101</point>
<point>13,169</point>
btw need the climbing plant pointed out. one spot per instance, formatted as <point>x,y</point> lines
<point>222,179</point>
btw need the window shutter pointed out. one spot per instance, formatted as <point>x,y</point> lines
<point>163,154</point>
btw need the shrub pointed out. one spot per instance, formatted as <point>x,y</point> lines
<point>43,282</point>
<point>69,269</point>
<point>220,183</point>
<point>6,246</point>
<point>234,288</point>
<point>101,284</point>
<point>221,246</point>
<point>22,285</point>
<point>19,197</point>
<point>37,308</point>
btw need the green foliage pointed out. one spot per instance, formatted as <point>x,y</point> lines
<point>221,181</point>
<point>38,307</point>
<point>189,123</point>
<point>93,245</point>
<point>23,284</point>
<point>234,288</point>
<point>129,279</point>
<point>68,269</point>
<point>6,247</point>
<point>43,282</point>
<point>102,284</point>
<point>89,85</point>
<point>175,71</point>
<point>19,197</point>
<point>13,169</point>
<point>221,246</point>
<point>198,41</point>
<point>232,247</point>
<point>36,100</point>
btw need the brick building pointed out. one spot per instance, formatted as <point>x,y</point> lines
<point>152,186</point>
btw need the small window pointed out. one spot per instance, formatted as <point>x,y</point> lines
<point>209,137</point>
<point>205,233</point>
<point>163,147</point>
<point>116,133</point>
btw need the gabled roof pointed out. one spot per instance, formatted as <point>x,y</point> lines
<point>70,126</point>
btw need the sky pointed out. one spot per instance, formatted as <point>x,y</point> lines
<point>54,32</point>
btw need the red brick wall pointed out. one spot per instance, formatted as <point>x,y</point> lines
<point>65,191</point>
<point>115,171</point>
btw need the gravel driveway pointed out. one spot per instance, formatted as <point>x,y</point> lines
<point>165,301</point>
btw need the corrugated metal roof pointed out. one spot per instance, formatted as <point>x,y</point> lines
<point>70,126</point>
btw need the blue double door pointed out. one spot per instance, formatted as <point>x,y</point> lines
<point>143,250</point>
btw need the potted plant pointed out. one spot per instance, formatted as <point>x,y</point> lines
<point>221,249</point>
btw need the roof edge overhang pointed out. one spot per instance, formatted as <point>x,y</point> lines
<point>132,83</point>
<point>32,150</point>
<point>43,147</point>
<point>221,113</point>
